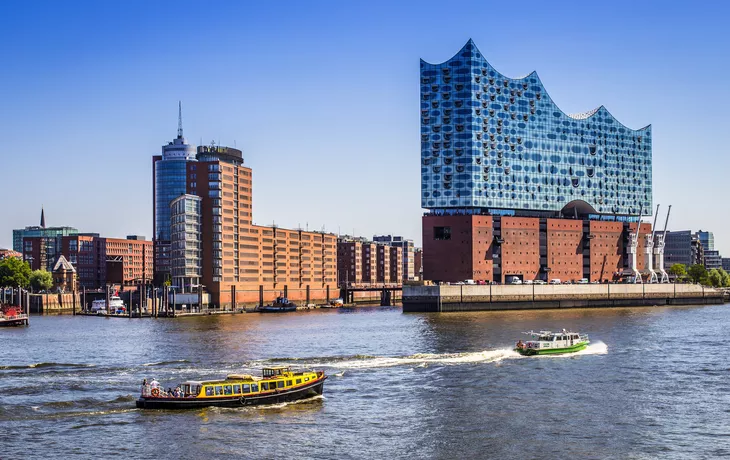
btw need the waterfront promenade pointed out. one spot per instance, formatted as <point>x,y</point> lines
<point>444,298</point>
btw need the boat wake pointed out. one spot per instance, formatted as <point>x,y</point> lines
<point>418,360</point>
<point>46,365</point>
<point>423,360</point>
<point>164,363</point>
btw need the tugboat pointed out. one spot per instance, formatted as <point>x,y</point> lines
<point>280,305</point>
<point>551,343</point>
<point>277,385</point>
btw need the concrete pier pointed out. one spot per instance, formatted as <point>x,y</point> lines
<point>445,298</point>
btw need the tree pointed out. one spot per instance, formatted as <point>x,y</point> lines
<point>697,273</point>
<point>14,273</point>
<point>678,270</point>
<point>41,280</point>
<point>725,278</point>
<point>714,278</point>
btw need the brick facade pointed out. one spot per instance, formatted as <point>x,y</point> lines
<point>494,248</point>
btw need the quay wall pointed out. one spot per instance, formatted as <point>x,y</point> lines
<point>49,304</point>
<point>445,298</point>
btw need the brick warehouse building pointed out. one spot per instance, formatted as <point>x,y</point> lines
<point>514,187</point>
<point>238,260</point>
<point>364,263</point>
<point>97,260</point>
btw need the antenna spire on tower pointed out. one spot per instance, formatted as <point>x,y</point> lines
<point>179,120</point>
<point>43,218</point>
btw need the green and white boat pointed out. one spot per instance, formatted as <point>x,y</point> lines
<point>552,343</point>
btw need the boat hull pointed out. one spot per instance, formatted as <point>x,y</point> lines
<point>306,391</point>
<point>551,351</point>
<point>270,309</point>
<point>13,322</point>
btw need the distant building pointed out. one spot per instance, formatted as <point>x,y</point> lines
<point>186,241</point>
<point>418,263</point>
<point>363,262</point>
<point>678,248</point>
<point>169,181</point>
<point>64,275</point>
<point>42,252</point>
<point>713,260</point>
<point>100,261</point>
<point>707,239</point>
<point>684,247</point>
<point>726,264</point>
<point>7,253</point>
<point>226,254</point>
<point>408,249</point>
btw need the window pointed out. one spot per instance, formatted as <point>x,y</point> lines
<point>265,386</point>
<point>299,381</point>
<point>208,391</point>
<point>254,387</point>
<point>227,389</point>
<point>442,233</point>
<point>280,384</point>
<point>237,389</point>
<point>288,383</point>
<point>218,390</point>
<point>246,388</point>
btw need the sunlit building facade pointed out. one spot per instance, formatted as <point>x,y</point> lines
<point>515,188</point>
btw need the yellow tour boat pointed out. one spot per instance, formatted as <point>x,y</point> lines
<point>277,385</point>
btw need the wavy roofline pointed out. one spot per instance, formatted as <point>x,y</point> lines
<point>578,116</point>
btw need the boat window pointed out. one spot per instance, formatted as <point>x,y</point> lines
<point>280,384</point>
<point>288,383</point>
<point>299,381</point>
<point>208,391</point>
<point>254,387</point>
<point>236,389</point>
<point>306,379</point>
<point>246,388</point>
<point>218,390</point>
<point>227,389</point>
<point>265,386</point>
<point>197,390</point>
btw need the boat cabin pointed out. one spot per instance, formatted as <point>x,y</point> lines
<point>274,379</point>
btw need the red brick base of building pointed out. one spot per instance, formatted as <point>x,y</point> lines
<point>497,248</point>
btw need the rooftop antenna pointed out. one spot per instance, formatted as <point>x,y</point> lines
<point>179,120</point>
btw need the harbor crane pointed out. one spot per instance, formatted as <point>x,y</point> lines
<point>633,247</point>
<point>649,252</point>
<point>659,250</point>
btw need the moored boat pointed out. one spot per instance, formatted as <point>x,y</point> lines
<point>280,305</point>
<point>12,316</point>
<point>277,385</point>
<point>551,343</point>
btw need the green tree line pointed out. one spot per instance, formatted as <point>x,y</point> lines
<point>717,277</point>
<point>17,273</point>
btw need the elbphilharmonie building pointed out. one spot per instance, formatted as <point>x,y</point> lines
<point>491,144</point>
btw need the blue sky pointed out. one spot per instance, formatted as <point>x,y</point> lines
<point>323,98</point>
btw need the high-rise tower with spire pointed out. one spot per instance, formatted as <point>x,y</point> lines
<point>169,182</point>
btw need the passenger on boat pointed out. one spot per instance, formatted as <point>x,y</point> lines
<point>520,344</point>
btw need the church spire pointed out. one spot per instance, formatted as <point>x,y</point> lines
<point>43,218</point>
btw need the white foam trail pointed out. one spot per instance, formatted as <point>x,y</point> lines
<point>339,374</point>
<point>423,359</point>
<point>594,348</point>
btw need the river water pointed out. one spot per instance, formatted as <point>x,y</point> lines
<point>653,384</point>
